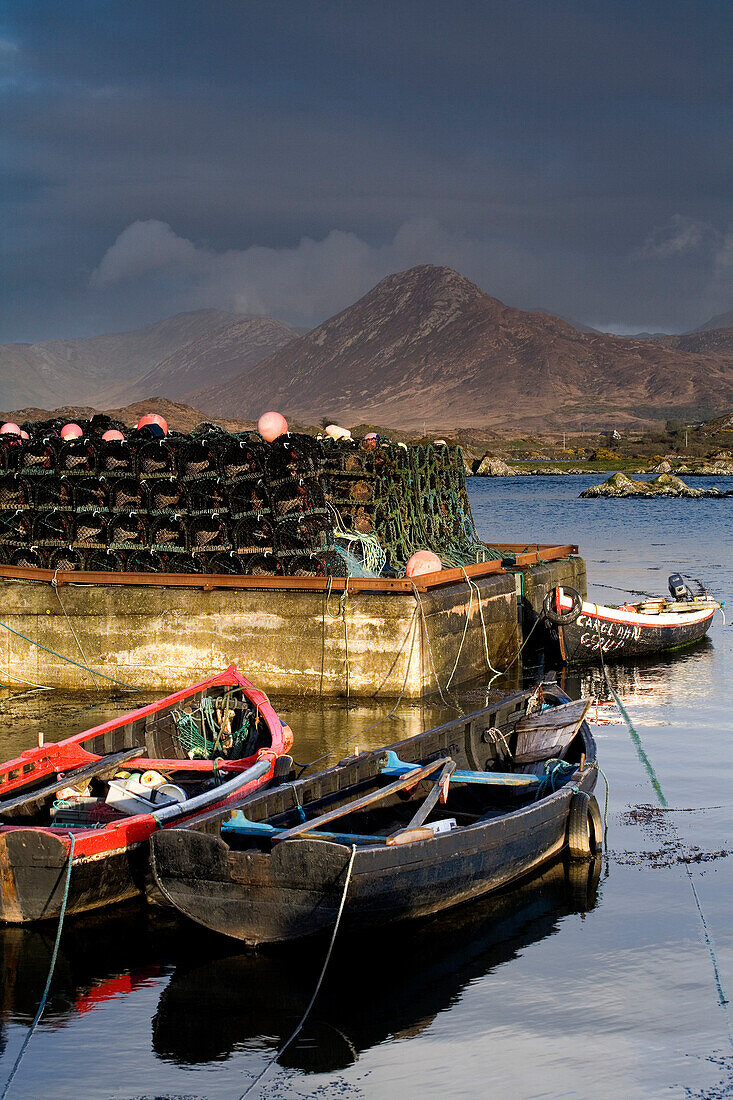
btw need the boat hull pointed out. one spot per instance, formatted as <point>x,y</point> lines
<point>295,889</point>
<point>110,864</point>
<point>619,635</point>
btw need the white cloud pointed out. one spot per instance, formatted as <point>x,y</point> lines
<point>305,283</point>
<point>144,247</point>
<point>681,235</point>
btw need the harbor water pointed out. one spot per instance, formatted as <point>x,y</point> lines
<point>606,983</point>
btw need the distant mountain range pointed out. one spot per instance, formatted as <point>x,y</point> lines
<point>423,347</point>
<point>162,358</point>
<point>427,346</point>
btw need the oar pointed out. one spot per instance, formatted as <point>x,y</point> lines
<point>409,780</point>
<point>421,816</point>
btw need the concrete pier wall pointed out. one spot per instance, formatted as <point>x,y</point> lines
<point>361,640</point>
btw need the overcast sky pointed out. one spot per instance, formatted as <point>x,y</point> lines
<point>281,157</point>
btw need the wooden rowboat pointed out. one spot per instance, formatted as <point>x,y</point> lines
<point>63,814</point>
<point>423,825</point>
<point>584,631</point>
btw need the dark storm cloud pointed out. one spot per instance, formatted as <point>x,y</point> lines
<point>282,157</point>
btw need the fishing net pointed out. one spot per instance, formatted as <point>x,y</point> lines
<point>53,528</point>
<point>253,534</point>
<point>208,533</point>
<point>76,456</point>
<point>115,456</point>
<point>29,557</point>
<point>89,529</point>
<point>156,458</point>
<point>90,493</point>
<point>15,492</point>
<point>127,494</point>
<point>227,726</point>
<point>127,530</point>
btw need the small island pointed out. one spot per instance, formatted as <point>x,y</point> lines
<point>665,485</point>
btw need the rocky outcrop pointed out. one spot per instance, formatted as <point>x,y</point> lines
<point>666,485</point>
<point>490,466</point>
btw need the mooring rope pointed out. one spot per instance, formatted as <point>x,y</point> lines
<point>55,586</point>
<point>51,969</point>
<point>69,660</point>
<point>720,992</point>
<point>319,983</point>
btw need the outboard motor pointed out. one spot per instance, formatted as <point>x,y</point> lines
<point>678,588</point>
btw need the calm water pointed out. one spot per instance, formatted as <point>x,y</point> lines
<point>523,996</point>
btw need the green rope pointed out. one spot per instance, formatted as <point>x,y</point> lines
<point>61,657</point>
<point>51,969</point>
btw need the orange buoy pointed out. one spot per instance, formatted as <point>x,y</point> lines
<point>421,562</point>
<point>111,434</point>
<point>71,431</point>
<point>155,422</point>
<point>10,428</point>
<point>24,435</point>
<point>272,425</point>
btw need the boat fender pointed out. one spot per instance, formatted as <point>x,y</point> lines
<point>555,609</point>
<point>585,827</point>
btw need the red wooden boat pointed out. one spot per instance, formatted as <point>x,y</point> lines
<point>93,800</point>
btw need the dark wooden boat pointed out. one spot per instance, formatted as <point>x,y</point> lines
<point>582,630</point>
<point>517,786</point>
<point>213,744</point>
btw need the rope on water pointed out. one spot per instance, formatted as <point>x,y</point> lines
<point>720,992</point>
<point>319,983</point>
<point>51,969</point>
<point>61,657</point>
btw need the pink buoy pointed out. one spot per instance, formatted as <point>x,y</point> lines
<point>155,422</point>
<point>111,434</point>
<point>24,435</point>
<point>421,562</point>
<point>10,429</point>
<point>71,431</point>
<point>272,425</point>
<point>371,439</point>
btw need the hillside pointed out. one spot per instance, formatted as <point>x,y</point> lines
<point>428,346</point>
<point>122,367</point>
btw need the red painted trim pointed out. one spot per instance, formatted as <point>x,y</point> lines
<point>135,829</point>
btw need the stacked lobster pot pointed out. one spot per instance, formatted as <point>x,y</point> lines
<point>302,522</point>
<point>412,498</point>
<point>210,502</point>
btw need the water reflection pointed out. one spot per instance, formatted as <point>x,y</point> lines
<point>226,1001</point>
<point>392,986</point>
